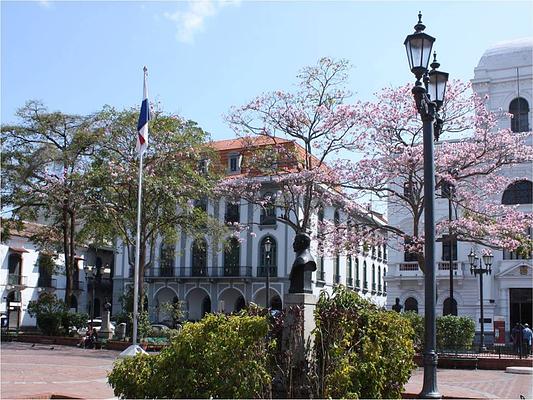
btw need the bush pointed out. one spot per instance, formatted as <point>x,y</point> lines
<point>454,333</point>
<point>361,351</point>
<point>73,319</point>
<point>49,312</point>
<point>144,327</point>
<point>219,356</point>
<point>417,323</point>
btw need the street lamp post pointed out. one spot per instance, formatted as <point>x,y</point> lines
<point>450,193</point>
<point>89,277</point>
<point>268,247</point>
<point>477,268</point>
<point>429,97</point>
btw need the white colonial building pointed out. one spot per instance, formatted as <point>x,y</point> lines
<point>24,275</point>
<point>505,74</point>
<point>208,278</point>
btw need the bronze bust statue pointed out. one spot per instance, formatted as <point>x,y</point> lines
<point>303,266</point>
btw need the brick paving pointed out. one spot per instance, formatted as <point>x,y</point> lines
<point>39,372</point>
<point>475,384</point>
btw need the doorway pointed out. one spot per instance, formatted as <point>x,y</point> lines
<point>520,306</point>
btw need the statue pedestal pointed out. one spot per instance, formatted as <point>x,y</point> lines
<point>302,337</point>
<point>105,331</point>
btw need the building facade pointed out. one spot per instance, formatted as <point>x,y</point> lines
<point>208,277</point>
<point>26,272</point>
<point>505,74</point>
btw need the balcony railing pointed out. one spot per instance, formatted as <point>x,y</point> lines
<point>216,272</point>
<point>445,265</point>
<point>262,271</point>
<point>16,280</point>
<point>160,273</point>
<point>47,283</point>
<point>409,266</point>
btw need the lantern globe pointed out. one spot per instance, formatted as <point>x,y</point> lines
<point>418,47</point>
<point>437,86</point>
<point>472,257</point>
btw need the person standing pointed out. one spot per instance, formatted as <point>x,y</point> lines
<point>527,335</point>
<point>516,334</point>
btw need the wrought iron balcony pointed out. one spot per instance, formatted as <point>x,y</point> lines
<point>16,280</point>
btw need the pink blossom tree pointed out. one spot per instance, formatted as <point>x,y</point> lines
<point>470,157</point>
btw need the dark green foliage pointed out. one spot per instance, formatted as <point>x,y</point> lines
<point>73,319</point>
<point>362,351</point>
<point>417,322</point>
<point>220,356</point>
<point>455,332</point>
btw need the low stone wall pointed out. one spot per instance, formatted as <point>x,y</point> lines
<point>478,362</point>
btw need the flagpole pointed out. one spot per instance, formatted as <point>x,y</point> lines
<point>142,143</point>
<point>137,254</point>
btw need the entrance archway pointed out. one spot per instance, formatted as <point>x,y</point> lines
<point>198,304</point>
<point>520,306</point>
<point>230,300</point>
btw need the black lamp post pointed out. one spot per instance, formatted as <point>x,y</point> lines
<point>449,193</point>
<point>268,246</point>
<point>429,97</point>
<point>90,277</point>
<point>477,268</point>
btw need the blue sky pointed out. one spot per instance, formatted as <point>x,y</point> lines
<point>204,57</point>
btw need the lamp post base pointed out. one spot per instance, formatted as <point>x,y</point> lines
<point>430,390</point>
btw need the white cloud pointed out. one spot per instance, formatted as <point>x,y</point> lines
<point>44,3</point>
<point>191,21</point>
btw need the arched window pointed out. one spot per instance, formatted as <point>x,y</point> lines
<point>365,280</point>
<point>449,307</point>
<point>349,271</point>
<point>268,260</point>
<point>519,108</point>
<point>232,258</point>
<point>268,211</point>
<point>519,192</point>
<point>199,258</point>
<point>166,259</point>
<point>411,305</point>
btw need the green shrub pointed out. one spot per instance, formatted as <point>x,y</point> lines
<point>49,312</point>
<point>361,350</point>
<point>455,332</point>
<point>73,319</point>
<point>219,356</point>
<point>417,323</point>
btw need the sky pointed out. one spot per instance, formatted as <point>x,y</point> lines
<point>204,57</point>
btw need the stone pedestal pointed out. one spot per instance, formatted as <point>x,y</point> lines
<point>307,303</point>
<point>105,331</point>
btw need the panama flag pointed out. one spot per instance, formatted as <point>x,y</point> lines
<point>144,117</point>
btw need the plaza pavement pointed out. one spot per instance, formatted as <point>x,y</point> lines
<point>39,372</point>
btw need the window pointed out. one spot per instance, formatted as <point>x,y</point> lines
<point>519,108</point>
<point>357,281</point>
<point>336,268</point>
<point>166,259</point>
<point>268,211</point>
<point>446,244</point>
<point>519,192</point>
<point>365,281</point>
<point>373,278</point>
<point>320,265</point>
<point>46,267</point>
<point>232,213</point>
<point>349,271</point>
<point>449,307</point>
<point>407,255</point>
<point>235,163</point>
<point>232,258</point>
<point>199,258</point>
<point>379,278</point>
<point>268,260</point>
<point>411,304</point>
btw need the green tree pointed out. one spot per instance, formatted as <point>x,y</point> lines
<point>175,174</point>
<point>45,160</point>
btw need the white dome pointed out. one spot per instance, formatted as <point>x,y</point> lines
<point>517,52</point>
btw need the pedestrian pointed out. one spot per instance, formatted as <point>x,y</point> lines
<point>527,335</point>
<point>86,339</point>
<point>516,334</point>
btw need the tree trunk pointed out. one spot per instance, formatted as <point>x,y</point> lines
<point>66,250</point>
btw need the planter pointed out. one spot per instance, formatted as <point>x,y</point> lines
<point>117,345</point>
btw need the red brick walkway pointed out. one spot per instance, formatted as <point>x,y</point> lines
<point>475,384</point>
<point>38,372</point>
